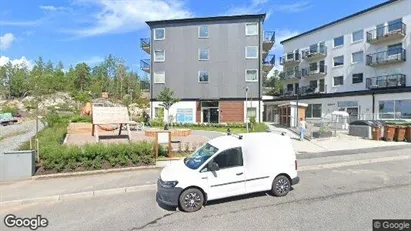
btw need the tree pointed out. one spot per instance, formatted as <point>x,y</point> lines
<point>166,96</point>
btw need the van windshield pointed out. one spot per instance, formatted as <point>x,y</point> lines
<point>200,156</point>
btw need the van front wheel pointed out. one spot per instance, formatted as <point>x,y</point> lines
<point>281,186</point>
<point>191,200</point>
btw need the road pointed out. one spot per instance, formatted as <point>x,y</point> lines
<point>343,197</point>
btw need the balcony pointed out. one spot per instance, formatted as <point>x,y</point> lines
<point>290,74</point>
<point>394,55</point>
<point>145,65</point>
<point>386,81</point>
<point>269,63</point>
<point>316,51</point>
<point>387,33</point>
<point>145,44</point>
<point>316,70</point>
<point>290,59</point>
<point>268,40</point>
<point>309,90</point>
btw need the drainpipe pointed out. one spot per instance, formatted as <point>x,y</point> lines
<point>373,106</point>
<point>259,71</point>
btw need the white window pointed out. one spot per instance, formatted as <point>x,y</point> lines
<point>251,29</point>
<point>357,57</point>
<point>251,75</point>
<point>251,52</point>
<point>203,31</point>
<point>339,41</point>
<point>357,36</point>
<point>338,80</point>
<point>159,77</point>
<point>159,56</point>
<point>338,61</point>
<point>251,112</point>
<point>203,54</point>
<point>159,34</point>
<point>203,76</point>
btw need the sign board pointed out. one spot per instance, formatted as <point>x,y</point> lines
<point>184,115</point>
<point>110,115</point>
<point>348,104</point>
<point>163,137</point>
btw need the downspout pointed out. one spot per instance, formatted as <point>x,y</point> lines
<point>373,106</point>
<point>259,70</point>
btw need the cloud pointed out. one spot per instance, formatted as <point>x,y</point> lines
<point>283,34</point>
<point>22,23</point>
<point>128,16</point>
<point>259,6</point>
<point>92,60</point>
<point>6,40</point>
<point>53,8</point>
<point>294,7</point>
<point>16,62</point>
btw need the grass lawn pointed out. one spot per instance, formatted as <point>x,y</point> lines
<point>261,127</point>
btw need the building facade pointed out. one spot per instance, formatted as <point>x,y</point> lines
<point>212,64</point>
<point>359,64</point>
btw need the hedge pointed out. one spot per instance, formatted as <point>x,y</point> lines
<point>160,123</point>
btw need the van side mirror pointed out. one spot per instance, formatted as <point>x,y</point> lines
<point>213,166</point>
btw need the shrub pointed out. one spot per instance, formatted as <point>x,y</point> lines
<point>9,109</point>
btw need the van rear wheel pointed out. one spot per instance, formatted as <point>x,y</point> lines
<point>281,186</point>
<point>191,200</point>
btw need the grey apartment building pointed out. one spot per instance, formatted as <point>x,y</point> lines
<point>214,65</point>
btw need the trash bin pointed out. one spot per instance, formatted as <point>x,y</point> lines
<point>376,133</point>
<point>389,132</point>
<point>408,133</point>
<point>400,133</point>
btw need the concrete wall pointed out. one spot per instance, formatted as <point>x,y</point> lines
<point>226,65</point>
<point>367,22</point>
<point>17,165</point>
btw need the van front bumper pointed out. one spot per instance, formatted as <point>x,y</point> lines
<point>295,180</point>
<point>167,196</point>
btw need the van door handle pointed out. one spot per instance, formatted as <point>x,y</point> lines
<point>204,177</point>
<point>240,173</point>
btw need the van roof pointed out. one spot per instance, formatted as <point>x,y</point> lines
<point>229,141</point>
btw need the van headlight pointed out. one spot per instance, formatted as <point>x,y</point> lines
<point>168,184</point>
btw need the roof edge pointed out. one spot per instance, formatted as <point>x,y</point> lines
<point>341,19</point>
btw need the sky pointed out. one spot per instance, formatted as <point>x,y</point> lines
<point>74,31</point>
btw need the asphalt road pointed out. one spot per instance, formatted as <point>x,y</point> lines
<point>341,198</point>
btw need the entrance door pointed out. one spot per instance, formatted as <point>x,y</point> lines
<point>380,31</point>
<point>210,115</point>
<point>353,112</point>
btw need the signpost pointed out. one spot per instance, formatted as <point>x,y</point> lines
<point>110,115</point>
<point>163,137</point>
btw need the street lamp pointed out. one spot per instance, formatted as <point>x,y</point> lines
<point>246,106</point>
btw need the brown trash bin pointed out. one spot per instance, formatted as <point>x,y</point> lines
<point>376,133</point>
<point>389,132</point>
<point>400,133</point>
<point>408,133</point>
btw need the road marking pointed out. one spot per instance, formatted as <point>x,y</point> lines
<point>352,163</point>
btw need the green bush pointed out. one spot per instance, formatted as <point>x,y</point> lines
<point>9,109</point>
<point>157,123</point>
<point>81,119</point>
<point>211,125</point>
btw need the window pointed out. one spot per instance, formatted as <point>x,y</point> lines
<point>395,109</point>
<point>357,57</point>
<point>251,52</point>
<point>339,41</point>
<point>313,66</point>
<point>314,111</point>
<point>395,49</point>
<point>159,34</point>
<point>229,158</point>
<point>395,25</point>
<point>159,56</point>
<point>251,112</point>
<point>203,31</point>
<point>160,77</point>
<point>290,87</point>
<point>203,76</point>
<point>203,54</point>
<point>251,29</point>
<point>251,75</point>
<point>357,78</point>
<point>357,36</point>
<point>338,80</point>
<point>338,61</point>
<point>313,83</point>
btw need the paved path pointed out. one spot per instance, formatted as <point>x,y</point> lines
<point>17,134</point>
<point>337,198</point>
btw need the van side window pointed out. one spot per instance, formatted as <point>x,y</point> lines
<point>230,158</point>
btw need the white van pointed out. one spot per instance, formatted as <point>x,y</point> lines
<point>228,166</point>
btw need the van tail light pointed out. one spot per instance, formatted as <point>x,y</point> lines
<point>296,166</point>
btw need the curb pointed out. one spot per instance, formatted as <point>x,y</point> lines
<point>310,155</point>
<point>80,195</point>
<point>93,172</point>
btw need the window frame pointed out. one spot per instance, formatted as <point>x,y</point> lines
<point>251,23</point>
<point>362,36</point>
<point>199,54</point>
<point>199,32</point>
<point>246,53</point>
<point>338,57</point>
<point>340,76</point>
<point>352,57</point>
<point>222,152</point>
<point>310,110</point>
<point>256,73</point>
<point>362,78</point>
<point>198,77</point>
<point>164,32</point>
<point>253,108</point>
<point>334,46</point>
<point>155,56</point>
<point>157,73</point>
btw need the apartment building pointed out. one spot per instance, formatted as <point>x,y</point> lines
<point>214,65</point>
<point>359,64</point>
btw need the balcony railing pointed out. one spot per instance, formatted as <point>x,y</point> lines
<point>386,81</point>
<point>145,65</point>
<point>290,58</point>
<point>314,70</point>
<point>269,60</point>
<point>145,44</point>
<point>290,74</point>
<point>314,51</point>
<point>394,30</point>
<point>392,55</point>
<point>269,36</point>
